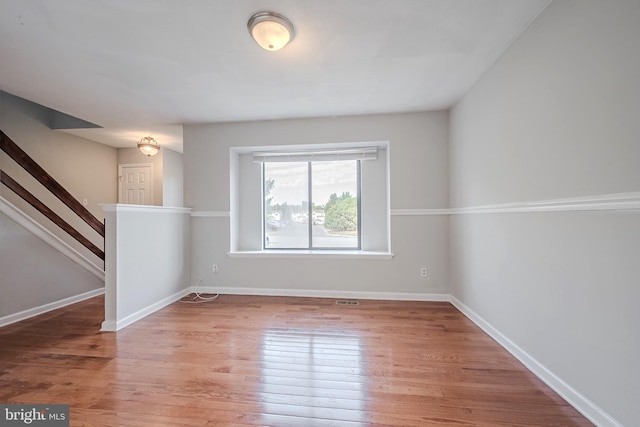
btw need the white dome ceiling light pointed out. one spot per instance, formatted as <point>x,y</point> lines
<point>270,30</point>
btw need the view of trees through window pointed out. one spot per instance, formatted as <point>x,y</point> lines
<point>330,221</point>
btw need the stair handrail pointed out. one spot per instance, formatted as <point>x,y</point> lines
<point>35,170</point>
<point>51,215</point>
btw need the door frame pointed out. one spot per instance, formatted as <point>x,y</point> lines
<point>135,165</point>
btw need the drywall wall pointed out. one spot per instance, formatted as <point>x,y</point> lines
<point>172,179</point>
<point>33,274</point>
<point>418,177</point>
<point>147,252</point>
<point>556,117</point>
<point>85,168</point>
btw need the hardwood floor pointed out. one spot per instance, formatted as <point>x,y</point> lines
<point>243,360</point>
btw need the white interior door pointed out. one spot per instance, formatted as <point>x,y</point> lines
<point>136,184</point>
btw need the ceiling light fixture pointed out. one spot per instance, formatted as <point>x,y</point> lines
<point>148,146</point>
<point>270,30</point>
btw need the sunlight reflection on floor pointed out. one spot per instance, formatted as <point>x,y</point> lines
<point>314,374</point>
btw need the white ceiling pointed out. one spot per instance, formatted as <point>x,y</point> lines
<point>140,67</point>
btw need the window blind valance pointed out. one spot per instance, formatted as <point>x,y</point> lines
<point>356,153</point>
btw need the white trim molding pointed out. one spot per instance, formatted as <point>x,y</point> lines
<point>48,237</point>
<point>36,311</point>
<point>111,207</point>
<point>576,399</point>
<point>603,202</point>
<point>318,293</point>
<point>311,253</point>
<point>628,202</point>
<point>419,212</point>
<point>211,214</point>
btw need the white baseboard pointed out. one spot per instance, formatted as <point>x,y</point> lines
<point>32,312</point>
<point>590,410</point>
<point>109,326</point>
<point>576,399</point>
<point>112,325</point>
<point>314,293</point>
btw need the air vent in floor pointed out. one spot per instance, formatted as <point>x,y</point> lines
<point>347,302</point>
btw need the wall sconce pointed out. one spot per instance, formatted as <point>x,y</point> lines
<point>148,146</point>
<point>270,30</point>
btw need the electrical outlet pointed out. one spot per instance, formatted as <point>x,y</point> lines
<point>214,268</point>
<point>423,272</point>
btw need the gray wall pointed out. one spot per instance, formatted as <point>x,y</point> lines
<point>418,180</point>
<point>557,117</point>
<point>33,274</point>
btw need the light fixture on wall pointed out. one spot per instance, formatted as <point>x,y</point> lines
<point>148,146</point>
<point>270,30</point>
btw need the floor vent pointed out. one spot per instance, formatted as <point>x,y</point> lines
<point>347,302</point>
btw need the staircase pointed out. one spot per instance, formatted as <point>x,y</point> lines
<point>27,163</point>
<point>34,277</point>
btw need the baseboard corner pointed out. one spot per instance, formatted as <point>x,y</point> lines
<point>576,399</point>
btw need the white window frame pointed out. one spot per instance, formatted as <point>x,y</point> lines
<point>310,246</point>
<point>245,215</point>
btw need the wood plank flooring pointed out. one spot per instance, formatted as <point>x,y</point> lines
<point>275,361</point>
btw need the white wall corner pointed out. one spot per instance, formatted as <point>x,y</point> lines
<point>576,399</point>
<point>116,325</point>
<point>135,288</point>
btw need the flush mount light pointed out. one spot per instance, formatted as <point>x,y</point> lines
<point>270,30</point>
<point>148,146</point>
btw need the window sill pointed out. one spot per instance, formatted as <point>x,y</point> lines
<point>310,254</point>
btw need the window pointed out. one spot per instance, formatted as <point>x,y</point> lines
<point>313,204</point>
<point>313,174</point>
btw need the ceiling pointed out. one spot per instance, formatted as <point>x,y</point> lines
<point>146,67</point>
